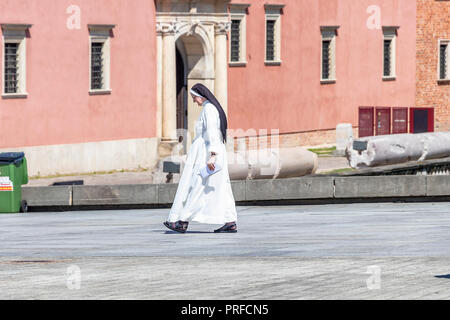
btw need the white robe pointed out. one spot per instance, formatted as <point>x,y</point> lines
<point>205,200</point>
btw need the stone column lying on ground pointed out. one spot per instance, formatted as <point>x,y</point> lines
<point>256,164</point>
<point>271,163</point>
<point>397,148</point>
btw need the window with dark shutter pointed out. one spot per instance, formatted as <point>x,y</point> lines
<point>326,45</point>
<point>387,58</point>
<point>235,39</point>
<point>96,65</point>
<point>11,67</point>
<point>389,49</point>
<point>328,54</point>
<point>443,61</point>
<point>270,40</point>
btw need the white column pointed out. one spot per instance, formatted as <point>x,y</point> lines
<point>169,114</point>
<point>221,85</point>
<point>159,98</point>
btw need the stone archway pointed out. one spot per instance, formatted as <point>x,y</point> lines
<point>197,60</point>
<point>202,39</point>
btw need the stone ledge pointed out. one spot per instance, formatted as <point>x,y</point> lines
<point>316,189</point>
<point>289,188</point>
<point>438,185</point>
<point>380,186</point>
<point>115,194</point>
<point>48,196</point>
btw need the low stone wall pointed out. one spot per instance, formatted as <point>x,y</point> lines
<point>303,188</point>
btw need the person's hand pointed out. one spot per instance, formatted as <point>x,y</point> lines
<point>211,162</point>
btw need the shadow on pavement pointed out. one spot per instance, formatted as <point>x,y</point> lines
<point>445,276</point>
<point>172,232</point>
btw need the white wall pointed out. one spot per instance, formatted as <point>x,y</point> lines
<point>90,157</point>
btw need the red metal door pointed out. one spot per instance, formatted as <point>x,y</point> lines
<point>365,122</point>
<point>399,120</point>
<point>421,120</point>
<point>382,120</point>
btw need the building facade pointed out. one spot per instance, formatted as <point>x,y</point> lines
<point>433,60</point>
<point>101,85</point>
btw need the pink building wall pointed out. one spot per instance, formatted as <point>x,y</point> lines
<point>59,109</point>
<point>290,97</point>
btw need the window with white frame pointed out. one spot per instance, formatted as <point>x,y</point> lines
<point>14,72</point>
<point>389,52</point>
<point>99,58</point>
<point>238,36</point>
<point>273,34</point>
<point>328,54</point>
<point>444,60</point>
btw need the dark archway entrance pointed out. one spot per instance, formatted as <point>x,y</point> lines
<point>181,93</point>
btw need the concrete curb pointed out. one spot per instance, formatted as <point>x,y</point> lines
<point>48,196</point>
<point>380,186</point>
<point>370,188</point>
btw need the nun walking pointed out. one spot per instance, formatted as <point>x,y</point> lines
<point>204,192</point>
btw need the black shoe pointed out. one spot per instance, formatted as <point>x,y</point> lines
<point>178,226</point>
<point>227,228</point>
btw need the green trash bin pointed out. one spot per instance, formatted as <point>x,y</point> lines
<point>13,174</point>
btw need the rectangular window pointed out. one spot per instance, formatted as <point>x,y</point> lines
<point>270,40</point>
<point>443,61</point>
<point>235,40</point>
<point>387,58</point>
<point>99,58</point>
<point>273,34</point>
<point>389,52</point>
<point>444,58</point>
<point>328,54</point>
<point>326,45</point>
<point>238,54</point>
<point>97,66</point>
<point>13,70</point>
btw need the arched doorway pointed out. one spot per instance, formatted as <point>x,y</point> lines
<point>198,45</point>
<point>192,66</point>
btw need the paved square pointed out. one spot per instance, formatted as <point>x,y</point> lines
<point>345,251</point>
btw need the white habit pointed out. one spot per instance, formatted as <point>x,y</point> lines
<point>205,200</point>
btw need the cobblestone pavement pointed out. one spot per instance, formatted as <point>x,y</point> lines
<point>347,251</point>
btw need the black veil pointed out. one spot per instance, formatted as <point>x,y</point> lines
<point>204,92</point>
